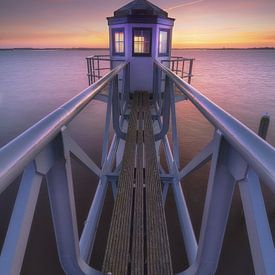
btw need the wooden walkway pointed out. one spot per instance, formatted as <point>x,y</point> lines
<point>138,240</point>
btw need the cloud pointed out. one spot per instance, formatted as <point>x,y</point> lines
<point>185,4</point>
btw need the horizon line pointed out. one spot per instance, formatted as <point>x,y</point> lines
<point>103,48</point>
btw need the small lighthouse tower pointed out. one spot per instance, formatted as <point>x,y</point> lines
<point>140,32</point>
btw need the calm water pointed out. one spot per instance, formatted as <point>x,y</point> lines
<point>33,83</point>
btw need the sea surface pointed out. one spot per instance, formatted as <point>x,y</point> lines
<point>34,83</point>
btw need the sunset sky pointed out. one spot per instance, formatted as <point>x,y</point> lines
<point>82,23</point>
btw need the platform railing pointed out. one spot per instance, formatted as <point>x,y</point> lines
<point>238,159</point>
<point>44,151</point>
<point>181,66</point>
<point>99,65</point>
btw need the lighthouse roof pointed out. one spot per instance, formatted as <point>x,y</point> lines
<point>140,7</point>
<point>140,11</point>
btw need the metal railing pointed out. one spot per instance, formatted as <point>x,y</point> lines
<point>238,158</point>
<point>44,151</point>
<point>99,65</point>
<point>181,66</point>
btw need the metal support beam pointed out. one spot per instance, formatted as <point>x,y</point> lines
<point>61,196</point>
<point>198,161</point>
<point>71,146</point>
<point>156,89</point>
<point>91,223</point>
<point>127,84</point>
<point>174,126</point>
<point>160,91</point>
<point>220,190</point>
<point>167,178</point>
<point>165,190</point>
<point>166,109</point>
<point>260,237</point>
<point>116,110</point>
<point>114,188</point>
<point>107,127</point>
<point>16,240</point>
<point>186,227</point>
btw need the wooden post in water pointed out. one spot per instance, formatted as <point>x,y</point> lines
<point>264,125</point>
<point>262,132</point>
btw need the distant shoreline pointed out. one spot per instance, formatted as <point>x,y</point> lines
<point>53,49</point>
<point>225,49</point>
<point>106,49</point>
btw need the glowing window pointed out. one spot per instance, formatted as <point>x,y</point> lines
<point>118,42</point>
<point>142,39</point>
<point>163,42</point>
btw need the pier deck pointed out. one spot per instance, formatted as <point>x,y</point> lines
<point>138,239</point>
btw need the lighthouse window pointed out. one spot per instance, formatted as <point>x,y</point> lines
<point>118,42</point>
<point>142,39</point>
<point>163,42</point>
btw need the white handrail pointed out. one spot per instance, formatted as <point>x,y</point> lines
<point>19,152</point>
<point>257,152</point>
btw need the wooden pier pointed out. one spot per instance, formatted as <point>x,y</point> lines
<point>138,239</point>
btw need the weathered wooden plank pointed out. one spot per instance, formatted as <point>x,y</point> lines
<point>137,256</point>
<point>158,250</point>
<point>116,258</point>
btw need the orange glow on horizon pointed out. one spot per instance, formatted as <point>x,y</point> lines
<point>219,40</point>
<point>180,40</point>
<point>199,23</point>
<point>223,40</point>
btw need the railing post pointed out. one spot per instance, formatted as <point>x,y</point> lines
<point>116,109</point>
<point>159,86</point>
<point>155,83</point>
<point>182,68</point>
<point>174,127</point>
<point>107,126</point>
<point>218,200</point>
<point>88,70</point>
<point>173,65</point>
<point>166,109</point>
<point>93,70</point>
<point>257,224</point>
<point>98,68</point>
<point>15,244</point>
<point>61,196</point>
<point>127,84</point>
<point>190,71</point>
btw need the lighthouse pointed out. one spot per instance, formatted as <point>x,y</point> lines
<point>140,33</point>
